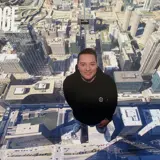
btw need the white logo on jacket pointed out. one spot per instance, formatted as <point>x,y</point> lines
<point>100,99</point>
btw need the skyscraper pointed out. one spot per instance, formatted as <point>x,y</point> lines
<point>127,17</point>
<point>149,4</point>
<point>32,51</point>
<point>57,46</point>
<point>119,5</point>
<point>33,57</point>
<point>126,121</point>
<point>156,82</point>
<point>135,23</point>
<point>149,29</point>
<point>10,63</point>
<point>150,55</point>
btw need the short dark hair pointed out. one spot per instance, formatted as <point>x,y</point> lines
<point>87,51</point>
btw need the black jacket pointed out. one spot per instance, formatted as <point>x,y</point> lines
<point>91,102</point>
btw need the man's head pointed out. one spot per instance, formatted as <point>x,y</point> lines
<point>87,63</point>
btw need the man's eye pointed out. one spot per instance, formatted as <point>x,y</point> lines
<point>92,64</point>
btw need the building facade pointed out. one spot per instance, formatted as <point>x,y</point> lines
<point>150,55</point>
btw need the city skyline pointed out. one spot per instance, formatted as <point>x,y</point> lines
<point>39,44</point>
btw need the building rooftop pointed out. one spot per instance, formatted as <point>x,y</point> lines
<point>130,116</point>
<point>104,36</point>
<point>152,115</point>
<point>2,110</point>
<point>62,15</point>
<point>3,87</point>
<point>31,90</point>
<point>72,39</point>
<point>7,49</point>
<point>127,76</point>
<point>109,59</point>
<point>13,116</point>
<point>23,130</point>
<point>151,97</point>
<point>62,28</point>
<point>124,37</point>
<point>59,57</point>
<point>108,16</point>
<point>88,13</point>
<point>19,91</point>
<point>128,48</point>
<point>152,120</point>
<point>155,36</point>
<point>3,76</point>
<point>27,128</point>
<point>6,56</point>
<point>90,40</point>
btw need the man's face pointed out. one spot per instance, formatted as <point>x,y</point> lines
<point>87,65</point>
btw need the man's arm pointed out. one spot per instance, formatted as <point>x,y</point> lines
<point>113,98</point>
<point>68,91</point>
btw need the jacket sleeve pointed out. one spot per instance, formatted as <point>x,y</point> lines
<point>68,92</point>
<point>113,96</point>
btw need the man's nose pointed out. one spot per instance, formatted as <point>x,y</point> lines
<point>88,68</point>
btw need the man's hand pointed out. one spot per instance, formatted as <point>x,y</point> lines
<point>103,123</point>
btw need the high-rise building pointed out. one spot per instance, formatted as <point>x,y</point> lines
<point>57,46</point>
<point>33,57</point>
<point>128,81</point>
<point>113,32</point>
<point>61,63</point>
<point>66,6</point>
<point>32,50</point>
<point>149,29</point>
<point>150,55</point>
<point>90,40</point>
<point>151,117</point>
<point>105,41</point>
<point>123,39</point>
<point>150,4</point>
<point>119,5</point>
<point>45,46</point>
<point>127,17</point>
<point>126,121</point>
<point>88,3</point>
<point>125,58</point>
<point>156,82</point>
<point>29,135</point>
<point>61,31</point>
<point>125,61</point>
<point>14,38</point>
<point>73,46</point>
<point>127,3</point>
<point>135,23</point>
<point>10,63</point>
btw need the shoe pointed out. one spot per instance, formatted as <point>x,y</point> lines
<point>74,136</point>
<point>101,129</point>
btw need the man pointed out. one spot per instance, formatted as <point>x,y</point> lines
<point>91,94</point>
